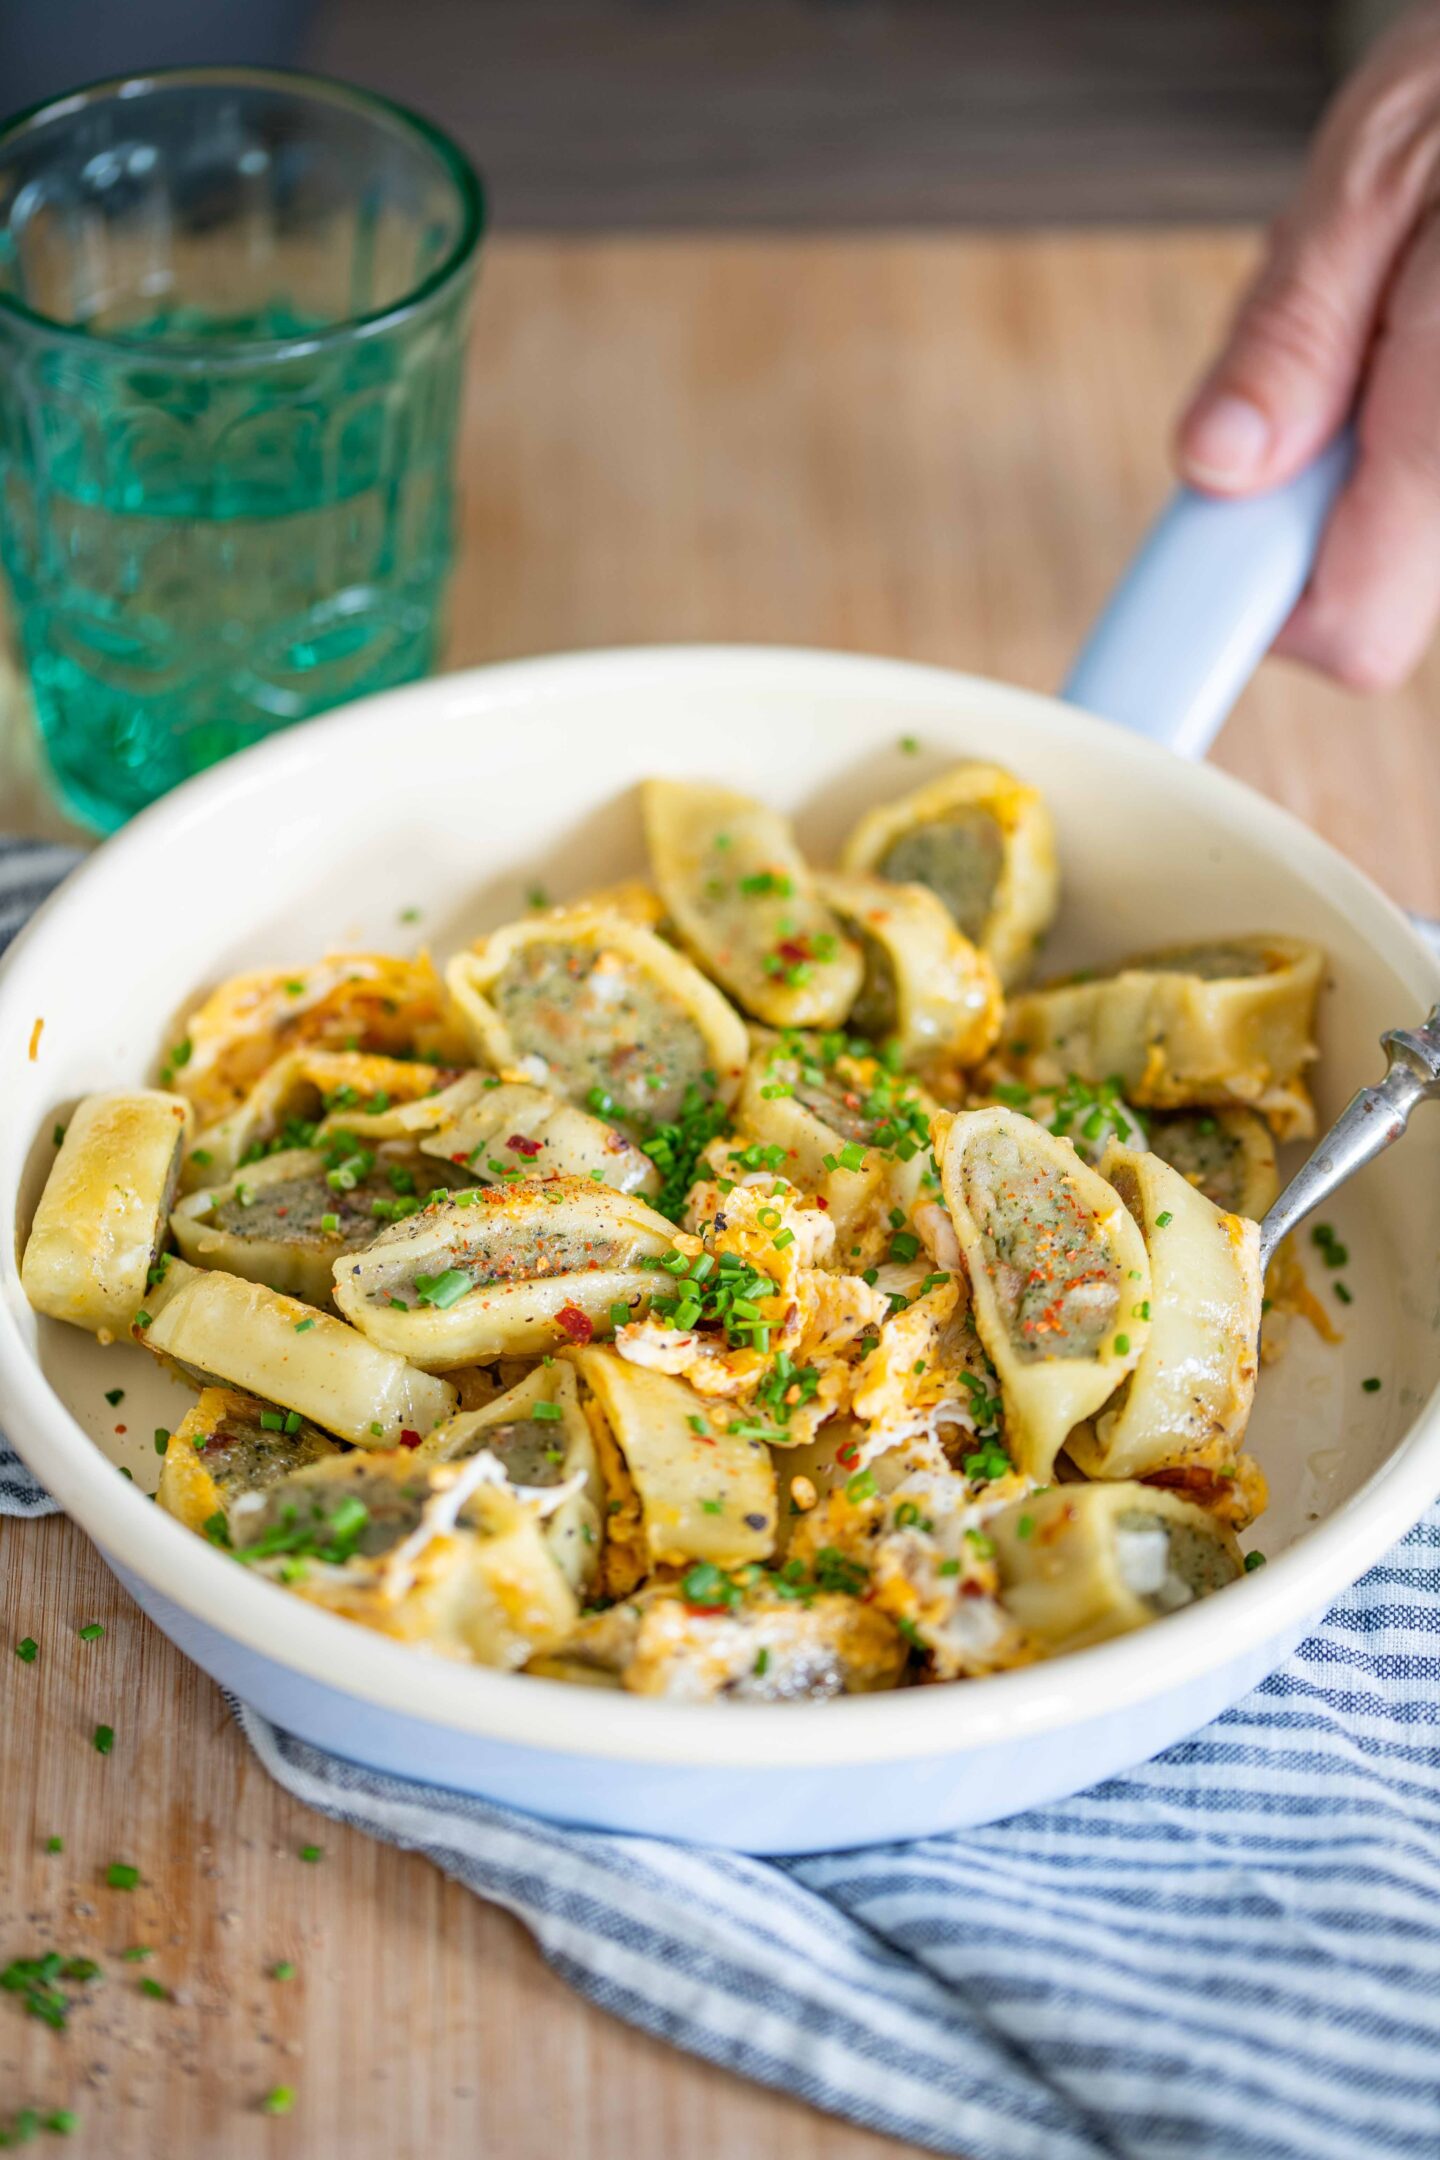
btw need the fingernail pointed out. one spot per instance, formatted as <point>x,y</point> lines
<point>1225,439</point>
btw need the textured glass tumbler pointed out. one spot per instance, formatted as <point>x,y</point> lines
<point>233,308</point>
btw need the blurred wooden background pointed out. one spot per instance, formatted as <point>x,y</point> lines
<point>655,113</point>
<point>663,113</point>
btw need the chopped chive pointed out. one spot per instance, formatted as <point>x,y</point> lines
<point>27,1649</point>
<point>54,1844</point>
<point>445,1289</point>
<point>303,1326</point>
<point>910,744</point>
<point>1371,1387</point>
<point>114,1396</point>
<point>61,2120</point>
<point>120,1875</point>
<point>619,1315</point>
<point>104,1739</point>
<point>272,1420</point>
<point>330,1223</point>
<point>1343,1292</point>
<point>311,1852</point>
<point>283,1971</point>
<point>550,1412</point>
<point>1164,1219</point>
<point>852,1156</point>
<point>162,1439</point>
<point>1253,1560</point>
<point>137,1953</point>
<point>1122,1346</point>
<point>281,2098</point>
<point>58,1135</point>
<point>155,1989</point>
<point>92,1631</point>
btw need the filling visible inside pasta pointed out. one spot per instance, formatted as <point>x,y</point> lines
<point>360,1515</point>
<point>1057,1287</point>
<point>600,1025</point>
<point>530,1450</point>
<point>1168,1564</point>
<point>1215,962</point>
<point>1226,1154</point>
<point>960,857</point>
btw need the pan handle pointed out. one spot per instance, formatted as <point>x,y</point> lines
<point>1201,603</point>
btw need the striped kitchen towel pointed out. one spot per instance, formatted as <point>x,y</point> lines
<point>1233,1951</point>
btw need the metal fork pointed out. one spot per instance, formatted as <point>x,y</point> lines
<point>1370,1122</point>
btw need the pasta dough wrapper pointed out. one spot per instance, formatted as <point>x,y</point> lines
<point>600,1010</point>
<point>1082,1563</point>
<point>290,1099</point>
<point>221,1450</point>
<point>679,1486</point>
<point>541,1439</point>
<point>1059,1275</point>
<point>742,898</point>
<point>268,1223</point>
<point>102,1216</point>
<point>983,842</point>
<point>1228,1155</point>
<point>506,1270</point>
<point>1189,1398</point>
<point>514,1130</point>
<point>218,1327</point>
<point>441,1557</point>
<point>926,988</point>
<point>1229,1023</point>
<point>811,1096</point>
<point>381,1004</point>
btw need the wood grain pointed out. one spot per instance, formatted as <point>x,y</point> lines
<point>648,114</point>
<point>942,447</point>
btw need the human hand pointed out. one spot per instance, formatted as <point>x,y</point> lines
<point>1345,314</point>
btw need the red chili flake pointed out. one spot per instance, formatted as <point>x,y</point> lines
<point>120,1428</point>
<point>282,1211</point>
<point>462,1157</point>
<point>519,1145</point>
<point>577,1325</point>
<point>794,949</point>
<point>849,1455</point>
<point>409,1439</point>
<point>821,1201</point>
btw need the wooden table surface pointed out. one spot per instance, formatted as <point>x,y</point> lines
<point>941,447</point>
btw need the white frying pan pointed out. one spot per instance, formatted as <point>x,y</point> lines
<point>454,796</point>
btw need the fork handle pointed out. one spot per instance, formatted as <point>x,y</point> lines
<point>1371,1121</point>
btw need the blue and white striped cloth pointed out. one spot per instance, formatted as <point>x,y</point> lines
<point>1231,1954</point>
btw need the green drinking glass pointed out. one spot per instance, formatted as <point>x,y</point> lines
<point>233,310</point>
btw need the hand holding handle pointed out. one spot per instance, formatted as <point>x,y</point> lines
<point>1201,604</point>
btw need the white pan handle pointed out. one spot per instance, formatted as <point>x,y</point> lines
<point>1201,603</point>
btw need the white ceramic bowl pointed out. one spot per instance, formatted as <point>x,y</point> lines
<point>457,795</point>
